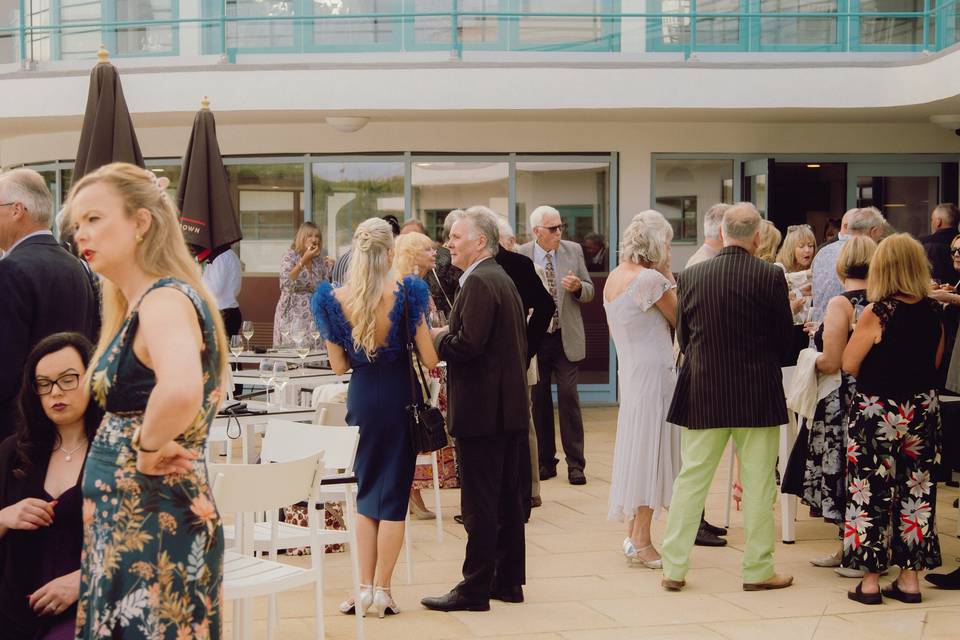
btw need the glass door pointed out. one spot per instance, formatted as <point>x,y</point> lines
<point>904,193</point>
<point>757,178</point>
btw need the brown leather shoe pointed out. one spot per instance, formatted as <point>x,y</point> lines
<point>673,585</point>
<point>775,582</point>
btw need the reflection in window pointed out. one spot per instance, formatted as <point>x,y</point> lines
<point>888,30</point>
<point>347,193</point>
<point>340,32</point>
<point>685,189</point>
<point>472,30</point>
<point>143,39</point>
<point>563,32</point>
<point>906,202</point>
<point>439,187</point>
<point>798,30</point>
<point>79,42</point>
<point>710,31</point>
<point>269,34</point>
<point>269,199</point>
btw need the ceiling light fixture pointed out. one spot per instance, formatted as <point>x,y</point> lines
<point>813,166</point>
<point>347,124</point>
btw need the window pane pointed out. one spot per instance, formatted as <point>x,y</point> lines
<point>906,202</point>
<point>363,31</point>
<point>80,42</point>
<point>540,31</point>
<point>140,40</point>
<point>346,194</point>
<point>261,35</point>
<point>580,191</point>
<point>269,199</point>
<point>798,31</point>
<point>710,31</point>
<point>439,187</point>
<point>896,31</point>
<point>475,30</point>
<point>685,189</point>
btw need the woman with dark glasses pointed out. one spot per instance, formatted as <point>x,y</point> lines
<point>41,527</point>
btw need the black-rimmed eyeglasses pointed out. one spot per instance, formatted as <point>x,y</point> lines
<point>554,228</point>
<point>66,382</point>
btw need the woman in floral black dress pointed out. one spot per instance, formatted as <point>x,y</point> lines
<point>894,430</point>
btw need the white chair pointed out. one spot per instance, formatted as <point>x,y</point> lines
<point>243,490</point>
<point>333,414</point>
<point>285,441</point>
<point>431,459</point>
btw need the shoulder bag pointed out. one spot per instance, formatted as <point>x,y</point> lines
<point>427,427</point>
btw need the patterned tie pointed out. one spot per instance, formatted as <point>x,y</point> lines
<point>552,286</point>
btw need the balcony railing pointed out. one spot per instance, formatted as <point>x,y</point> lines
<point>48,30</point>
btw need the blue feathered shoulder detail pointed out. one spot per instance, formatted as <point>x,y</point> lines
<point>328,315</point>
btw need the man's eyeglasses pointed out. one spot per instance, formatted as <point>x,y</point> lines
<point>66,382</point>
<point>555,228</point>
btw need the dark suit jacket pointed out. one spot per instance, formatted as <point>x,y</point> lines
<point>444,281</point>
<point>533,295</point>
<point>43,289</point>
<point>485,350</point>
<point>937,246</point>
<point>734,328</point>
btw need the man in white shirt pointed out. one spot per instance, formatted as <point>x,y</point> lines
<point>224,278</point>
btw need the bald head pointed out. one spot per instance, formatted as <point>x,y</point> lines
<point>741,226</point>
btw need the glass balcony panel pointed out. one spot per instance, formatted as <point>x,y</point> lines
<point>472,30</point>
<point>79,42</point>
<point>559,32</point>
<point>798,31</point>
<point>269,34</point>
<point>362,31</point>
<point>145,40</point>
<point>710,31</point>
<point>890,30</point>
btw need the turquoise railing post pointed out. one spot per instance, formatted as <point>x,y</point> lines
<point>223,32</point>
<point>23,32</point>
<point>926,23</point>
<point>693,28</point>
<point>455,30</point>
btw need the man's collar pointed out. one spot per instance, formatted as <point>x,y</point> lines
<point>34,234</point>
<point>471,268</point>
<point>732,249</point>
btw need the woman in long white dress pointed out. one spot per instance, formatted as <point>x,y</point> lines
<point>640,300</point>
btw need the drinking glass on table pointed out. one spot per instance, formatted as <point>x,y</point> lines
<point>302,348</point>
<point>246,328</point>
<point>266,375</point>
<point>281,376</point>
<point>315,336</point>
<point>284,337</point>
<point>236,345</point>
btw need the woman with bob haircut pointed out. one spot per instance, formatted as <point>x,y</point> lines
<point>153,545</point>
<point>302,268</point>
<point>894,437</point>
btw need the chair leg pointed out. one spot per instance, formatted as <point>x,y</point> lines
<point>436,495</point>
<point>272,616</point>
<point>318,609</point>
<point>350,509</point>
<point>406,548</point>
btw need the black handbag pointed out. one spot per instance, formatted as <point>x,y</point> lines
<point>427,427</point>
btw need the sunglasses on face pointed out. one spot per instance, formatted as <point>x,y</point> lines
<point>955,250</point>
<point>555,228</point>
<point>66,382</point>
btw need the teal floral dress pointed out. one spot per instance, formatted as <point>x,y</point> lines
<point>153,545</point>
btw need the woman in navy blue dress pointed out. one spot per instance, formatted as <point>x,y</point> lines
<point>362,324</point>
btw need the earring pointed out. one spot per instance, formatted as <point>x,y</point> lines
<point>139,238</point>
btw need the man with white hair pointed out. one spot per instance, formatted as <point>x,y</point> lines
<point>943,227</point>
<point>867,221</point>
<point>44,288</point>
<point>712,243</point>
<point>564,345</point>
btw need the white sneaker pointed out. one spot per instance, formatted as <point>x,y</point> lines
<point>828,561</point>
<point>849,573</point>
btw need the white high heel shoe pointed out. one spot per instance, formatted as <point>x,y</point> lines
<point>348,607</point>
<point>633,555</point>
<point>383,604</point>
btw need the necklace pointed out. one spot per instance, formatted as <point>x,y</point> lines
<point>68,455</point>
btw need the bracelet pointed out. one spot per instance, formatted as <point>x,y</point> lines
<point>135,443</point>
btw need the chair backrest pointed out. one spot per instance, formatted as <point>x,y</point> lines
<point>285,440</point>
<point>241,488</point>
<point>330,413</point>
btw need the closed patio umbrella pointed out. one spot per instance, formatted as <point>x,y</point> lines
<point>207,216</point>
<point>107,134</point>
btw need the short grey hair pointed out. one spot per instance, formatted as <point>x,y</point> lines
<point>536,218</point>
<point>28,187</point>
<point>484,222</point>
<point>865,219</point>
<point>646,239</point>
<point>713,219</point>
<point>448,221</point>
<point>741,221</point>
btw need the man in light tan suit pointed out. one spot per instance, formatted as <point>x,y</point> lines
<point>564,345</point>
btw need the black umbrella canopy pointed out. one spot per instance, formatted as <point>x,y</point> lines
<point>207,216</point>
<point>107,134</point>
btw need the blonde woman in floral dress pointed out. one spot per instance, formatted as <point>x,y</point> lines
<point>153,546</point>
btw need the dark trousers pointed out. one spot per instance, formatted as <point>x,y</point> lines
<point>492,514</point>
<point>232,319</point>
<point>552,363</point>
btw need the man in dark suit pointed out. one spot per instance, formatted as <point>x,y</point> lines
<point>485,349</point>
<point>44,288</point>
<point>734,328</point>
<point>539,305</point>
<point>943,227</point>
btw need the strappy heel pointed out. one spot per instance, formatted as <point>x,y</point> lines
<point>383,603</point>
<point>633,555</point>
<point>348,607</point>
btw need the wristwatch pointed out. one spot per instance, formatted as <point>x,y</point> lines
<point>135,443</point>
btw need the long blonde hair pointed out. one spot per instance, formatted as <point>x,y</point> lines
<point>407,248</point>
<point>369,266</point>
<point>899,267</point>
<point>769,241</point>
<point>162,253</point>
<point>796,236</point>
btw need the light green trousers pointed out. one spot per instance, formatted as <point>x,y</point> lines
<point>701,450</point>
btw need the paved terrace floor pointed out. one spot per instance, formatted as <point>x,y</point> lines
<point>579,586</point>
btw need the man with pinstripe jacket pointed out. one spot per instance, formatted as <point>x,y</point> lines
<point>734,328</point>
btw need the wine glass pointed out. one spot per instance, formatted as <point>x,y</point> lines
<point>281,376</point>
<point>303,349</point>
<point>438,318</point>
<point>246,328</point>
<point>236,345</point>
<point>284,336</point>
<point>266,375</point>
<point>315,337</point>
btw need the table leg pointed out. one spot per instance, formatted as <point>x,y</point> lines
<point>788,502</point>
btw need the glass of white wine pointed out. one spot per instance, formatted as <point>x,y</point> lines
<point>236,345</point>
<point>303,349</point>
<point>281,376</point>
<point>266,375</point>
<point>246,328</point>
<point>315,336</point>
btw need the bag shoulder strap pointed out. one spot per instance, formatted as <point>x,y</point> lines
<point>417,376</point>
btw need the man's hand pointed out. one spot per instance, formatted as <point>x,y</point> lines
<point>571,282</point>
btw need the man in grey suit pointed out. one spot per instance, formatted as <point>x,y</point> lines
<point>564,345</point>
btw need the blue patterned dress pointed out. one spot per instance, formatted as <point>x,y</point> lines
<point>377,400</point>
<point>153,545</point>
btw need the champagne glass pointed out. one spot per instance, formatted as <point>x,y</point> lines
<point>236,345</point>
<point>266,375</point>
<point>857,311</point>
<point>281,376</point>
<point>284,336</point>
<point>315,336</point>
<point>246,328</point>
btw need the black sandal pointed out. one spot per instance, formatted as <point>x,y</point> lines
<point>894,591</point>
<point>857,595</point>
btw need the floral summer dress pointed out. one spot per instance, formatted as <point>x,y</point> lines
<point>153,545</point>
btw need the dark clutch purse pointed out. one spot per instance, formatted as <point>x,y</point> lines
<point>427,427</point>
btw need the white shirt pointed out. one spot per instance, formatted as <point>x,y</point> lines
<point>44,232</point>
<point>469,270</point>
<point>223,278</point>
<point>540,257</point>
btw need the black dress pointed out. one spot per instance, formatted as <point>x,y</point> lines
<point>31,559</point>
